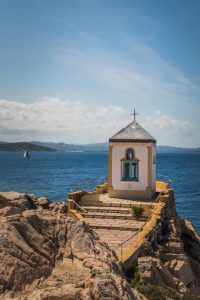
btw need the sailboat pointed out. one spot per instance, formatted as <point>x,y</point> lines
<point>26,154</point>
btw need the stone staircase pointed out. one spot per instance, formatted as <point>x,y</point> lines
<point>107,212</point>
<point>113,214</point>
<point>108,217</point>
<point>112,219</point>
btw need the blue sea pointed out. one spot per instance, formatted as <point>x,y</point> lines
<point>54,174</point>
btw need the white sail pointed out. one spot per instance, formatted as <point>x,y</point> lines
<point>26,154</point>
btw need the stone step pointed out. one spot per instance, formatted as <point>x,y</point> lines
<point>106,209</point>
<point>114,224</point>
<point>105,215</point>
<point>85,203</point>
<point>126,204</point>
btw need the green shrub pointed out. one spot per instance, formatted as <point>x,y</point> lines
<point>135,278</point>
<point>150,291</point>
<point>137,211</point>
<point>155,292</point>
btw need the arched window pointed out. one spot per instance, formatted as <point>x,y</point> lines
<point>129,154</point>
<point>130,166</point>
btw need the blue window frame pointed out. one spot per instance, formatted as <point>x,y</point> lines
<point>130,167</point>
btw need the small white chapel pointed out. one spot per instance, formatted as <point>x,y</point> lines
<point>132,163</point>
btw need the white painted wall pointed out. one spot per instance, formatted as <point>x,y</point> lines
<point>153,166</point>
<point>141,153</point>
<point>118,153</point>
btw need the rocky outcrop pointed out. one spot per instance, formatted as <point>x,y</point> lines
<point>171,254</point>
<point>15,201</point>
<point>46,255</point>
<point>154,272</point>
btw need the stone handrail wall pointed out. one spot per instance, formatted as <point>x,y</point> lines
<point>75,197</point>
<point>149,231</point>
<point>102,188</point>
<point>78,195</point>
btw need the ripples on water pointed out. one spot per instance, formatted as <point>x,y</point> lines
<point>184,171</point>
<point>53,174</point>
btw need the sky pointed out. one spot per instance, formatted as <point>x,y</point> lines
<point>73,71</point>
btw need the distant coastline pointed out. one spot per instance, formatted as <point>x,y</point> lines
<point>63,147</point>
<point>23,146</point>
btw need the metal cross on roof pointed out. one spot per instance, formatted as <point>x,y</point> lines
<point>134,114</point>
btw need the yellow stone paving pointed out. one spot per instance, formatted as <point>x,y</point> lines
<point>105,198</point>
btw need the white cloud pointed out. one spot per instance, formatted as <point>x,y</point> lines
<point>162,121</point>
<point>54,119</point>
<point>164,127</point>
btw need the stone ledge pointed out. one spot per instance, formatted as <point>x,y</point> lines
<point>129,257</point>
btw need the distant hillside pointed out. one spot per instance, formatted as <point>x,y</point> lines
<point>104,147</point>
<point>63,147</point>
<point>73,147</point>
<point>170,149</point>
<point>22,146</point>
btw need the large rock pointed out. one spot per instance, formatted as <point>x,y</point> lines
<point>171,254</point>
<point>152,271</point>
<point>191,242</point>
<point>46,255</point>
<point>17,199</point>
<point>181,269</point>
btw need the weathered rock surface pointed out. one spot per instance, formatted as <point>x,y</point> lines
<point>154,272</point>
<point>171,255</point>
<point>46,255</point>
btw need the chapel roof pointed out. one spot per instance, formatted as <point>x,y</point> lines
<point>133,132</point>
